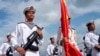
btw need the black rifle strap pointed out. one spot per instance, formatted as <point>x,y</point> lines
<point>99,39</point>
<point>36,39</point>
<point>9,50</point>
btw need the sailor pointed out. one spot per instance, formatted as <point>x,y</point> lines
<point>91,40</point>
<point>24,29</point>
<point>52,49</point>
<point>72,38</point>
<point>6,48</point>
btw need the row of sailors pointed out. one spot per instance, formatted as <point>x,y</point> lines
<point>91,42</point>
<point>52,49</point>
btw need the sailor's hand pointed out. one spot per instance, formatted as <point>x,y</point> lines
<point>97,46</point>
<point>4,55</point>
<point>40,33</point>
<point>21,50</point>
<point>62,42</point>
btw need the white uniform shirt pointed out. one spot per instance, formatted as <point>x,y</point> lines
<point>4,47</point>
<point>61,51</point>
<point>91,40</point>
<point>23,31</point>
<point>71,38</point>
<point>50,49</point>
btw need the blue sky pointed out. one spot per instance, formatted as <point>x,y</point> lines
<point>48,16</point>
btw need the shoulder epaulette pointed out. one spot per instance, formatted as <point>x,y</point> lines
<point>37,26</point>
<point>20,22</point>
<point>4,42</point>
<point>73,28</point>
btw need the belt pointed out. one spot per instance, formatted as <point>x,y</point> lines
<point>33,48</point>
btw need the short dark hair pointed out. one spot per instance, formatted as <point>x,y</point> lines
<point>8,35</point>
<point>25,13</point>
<point>51,38</point>
<point>89,24</point>
<point>69,17</point>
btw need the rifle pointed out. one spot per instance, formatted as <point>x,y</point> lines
<point>55,51</point>
<point>9,52</point>
<point>32,37</point>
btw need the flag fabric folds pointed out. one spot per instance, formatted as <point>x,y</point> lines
<point>70,50</point>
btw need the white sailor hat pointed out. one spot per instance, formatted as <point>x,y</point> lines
<point>28,9</point>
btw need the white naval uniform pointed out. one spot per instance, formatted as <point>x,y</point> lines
<point>23,31</point>
<point>4,47</point>
<point>61,51</point>
<point>50,49</point>
<point>59,38</point>
<point>91,40</point>
<point>71,38</point>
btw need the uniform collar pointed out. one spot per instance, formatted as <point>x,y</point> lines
<point>91,31</point>
<point>29,25</point>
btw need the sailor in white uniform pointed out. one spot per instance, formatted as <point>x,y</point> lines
<point>91,40</point>
<point>72,38</point>
<point>6,48</point>
<point>52,49</point>
<point>24,29</point>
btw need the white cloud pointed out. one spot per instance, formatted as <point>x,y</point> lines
<point>83,8</point>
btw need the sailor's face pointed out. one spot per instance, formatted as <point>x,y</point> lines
<point>9,38</point>
<point>69,21</point>
<point>30,15</point>
<point>92,26</point>
<point>53,40</point>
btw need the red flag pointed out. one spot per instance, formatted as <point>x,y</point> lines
<point>70,50</point>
